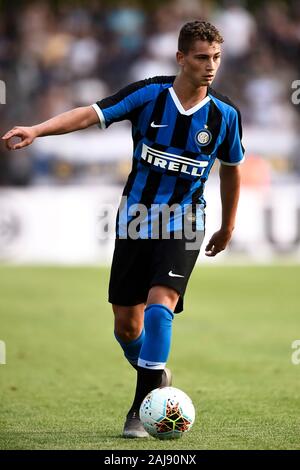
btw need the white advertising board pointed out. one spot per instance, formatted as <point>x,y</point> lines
<point>75,225</point>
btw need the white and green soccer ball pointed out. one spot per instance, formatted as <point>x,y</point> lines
<point>167,413</point>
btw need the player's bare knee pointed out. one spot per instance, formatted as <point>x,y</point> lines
<point>127,332</point>
<point>128,322</point>
<point>163,295</point>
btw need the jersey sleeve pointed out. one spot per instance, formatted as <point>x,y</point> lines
<point>122,105</point>
<point>231,151</point>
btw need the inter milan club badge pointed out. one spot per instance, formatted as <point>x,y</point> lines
<point>203,137</point>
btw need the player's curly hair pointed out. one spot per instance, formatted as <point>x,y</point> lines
<point>197,30</point>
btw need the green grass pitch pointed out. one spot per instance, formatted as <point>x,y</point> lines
<point>67,386</point>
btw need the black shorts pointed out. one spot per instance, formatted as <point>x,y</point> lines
<point>141,264</point>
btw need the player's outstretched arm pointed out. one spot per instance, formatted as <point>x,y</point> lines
<point>74,120</point>
<point>230,179</point>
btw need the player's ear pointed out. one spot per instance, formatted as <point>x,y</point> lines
<point>180,58</point>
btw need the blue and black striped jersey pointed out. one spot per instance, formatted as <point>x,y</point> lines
<point>174,149</point>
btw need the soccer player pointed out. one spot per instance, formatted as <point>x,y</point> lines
<point>180,126</point>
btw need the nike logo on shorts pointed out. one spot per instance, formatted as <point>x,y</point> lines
<point>174,275</point>
<point>150,365</point>
<point>158,125</point>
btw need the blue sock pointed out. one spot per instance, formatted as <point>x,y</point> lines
<point>158,332</point>
<point>132,348</point>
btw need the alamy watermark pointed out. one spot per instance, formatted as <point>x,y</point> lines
<point>2,92</point>
<point>296,354</point>
<point>153,221</point>
<point>2,352</point>
<point>295,98</point>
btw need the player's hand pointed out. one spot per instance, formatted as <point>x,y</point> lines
<point>218,242</point>
<point>26,134</point>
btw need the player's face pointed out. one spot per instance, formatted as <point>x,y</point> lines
<point>201,63</point>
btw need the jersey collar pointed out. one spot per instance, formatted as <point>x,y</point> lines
<point>190,111</point>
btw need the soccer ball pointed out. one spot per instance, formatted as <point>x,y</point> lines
<point>167,413</point>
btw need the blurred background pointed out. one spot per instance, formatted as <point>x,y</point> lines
<point>58,197</point>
